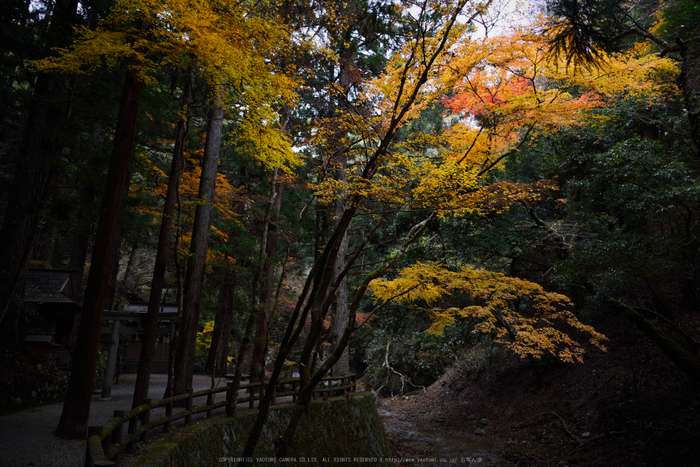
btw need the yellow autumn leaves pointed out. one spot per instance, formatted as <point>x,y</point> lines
<point>226,42</point>
<point>516,313</point>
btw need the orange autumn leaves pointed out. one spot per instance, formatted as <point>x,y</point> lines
<point>497,94</point>
<point>154,189</point>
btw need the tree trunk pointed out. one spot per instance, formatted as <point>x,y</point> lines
<point>220,348</point>
<point>81,241</point>
<point>340,309</point>
<point>184,356</point>
<point>320,229</point>
<point>257,367</point>
<point>78,253</point>
<point>154,300</point>
<point>122,290</point>
<point>221,335</point>
<point>35,166</point>
<point>254,303</point>
<point>179,299</point>
<point>76,409</point>
<point>114,273</point>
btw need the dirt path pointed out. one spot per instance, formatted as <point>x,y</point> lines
<point>417,443</point>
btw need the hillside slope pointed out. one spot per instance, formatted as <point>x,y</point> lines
<point>627,407</point>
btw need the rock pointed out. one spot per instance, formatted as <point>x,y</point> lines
<point>480,431</point>
<point>484,421</point>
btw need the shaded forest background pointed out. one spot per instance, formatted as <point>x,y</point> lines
<point>415,192</point>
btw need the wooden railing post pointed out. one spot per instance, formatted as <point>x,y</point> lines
<point>117,434</point>
<point>131,430</point>
<point>168,416</point>
<point>188,407</point>
<point>252,397</point>
<point>229,397</point>
<point>210,402</point>
<point>105,442</point>
<point>93,430</point>
<point>294,391</point>
<point>146,419</point>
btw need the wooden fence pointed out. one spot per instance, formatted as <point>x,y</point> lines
<point>106,443</point>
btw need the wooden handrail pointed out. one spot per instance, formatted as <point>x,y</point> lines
<point>106,442</point>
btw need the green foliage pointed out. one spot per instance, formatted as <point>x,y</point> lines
<point>25,384</point>
<point>636,205</point>
<point>678,19</point>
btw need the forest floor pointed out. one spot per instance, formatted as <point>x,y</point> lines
<point>629,406</point>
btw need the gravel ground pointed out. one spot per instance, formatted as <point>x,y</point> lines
<point>27,439</point>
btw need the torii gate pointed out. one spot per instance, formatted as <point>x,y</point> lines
<point>131,321</point>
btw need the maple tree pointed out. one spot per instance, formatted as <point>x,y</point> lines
<point>314,301</point>
<point>506,90</point>
<point>516,313</point>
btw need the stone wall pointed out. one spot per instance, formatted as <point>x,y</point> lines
<point>330,433</point>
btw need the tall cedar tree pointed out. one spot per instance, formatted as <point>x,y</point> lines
<point>76,409</point>
<point>161,261</point>
<point>196,262</point>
